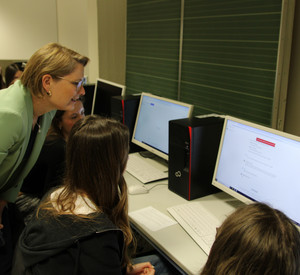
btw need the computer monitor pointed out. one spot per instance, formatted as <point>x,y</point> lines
<point>88,98</point>
<point>104,90</point>
<point>151,130</point>
<point>257,163</point>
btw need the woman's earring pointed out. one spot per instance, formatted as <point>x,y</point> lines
<point>49,93</point>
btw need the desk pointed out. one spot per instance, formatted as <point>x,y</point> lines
<point>173,242</point>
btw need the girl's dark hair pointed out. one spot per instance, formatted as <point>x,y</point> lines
<point>96,157</point>
<point>255,239</point>
<point>10,72</point>
<point>55,130</point>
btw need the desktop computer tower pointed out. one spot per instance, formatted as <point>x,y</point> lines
<point>193,149</point>
<point>124,109</point>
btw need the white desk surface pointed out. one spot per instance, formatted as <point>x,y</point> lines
<point>173,241</point>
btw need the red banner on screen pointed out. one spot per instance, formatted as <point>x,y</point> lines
<point>265,142</point>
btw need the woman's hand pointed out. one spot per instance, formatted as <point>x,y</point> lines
<point>141,268</point>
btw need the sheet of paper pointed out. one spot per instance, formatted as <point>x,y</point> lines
<point>151,218</point>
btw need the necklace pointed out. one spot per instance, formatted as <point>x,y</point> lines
<point>37,123</point>
<point>39,130</point>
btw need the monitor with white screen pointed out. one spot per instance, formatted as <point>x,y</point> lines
<point>151,130</point>
<point>258,163</point>
<point>104,91</point>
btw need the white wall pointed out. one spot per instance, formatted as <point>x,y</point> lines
<point>78,30</point>
<point>93,48</point>
<point>25,26</point>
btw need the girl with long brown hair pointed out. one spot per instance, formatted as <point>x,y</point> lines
<point>82,227</point>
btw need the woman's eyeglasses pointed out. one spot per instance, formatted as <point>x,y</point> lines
<point>78,84</point>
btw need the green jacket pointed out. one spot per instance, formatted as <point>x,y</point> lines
<point>16,115</point>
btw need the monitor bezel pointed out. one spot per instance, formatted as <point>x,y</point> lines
<point>145,146</point>
<point>224,188</point>
<point>123,87</point>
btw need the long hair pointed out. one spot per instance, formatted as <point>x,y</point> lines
<point>96,157</point>
<point>255,239</point>
<point>52,59</point>
<point>54,131</point>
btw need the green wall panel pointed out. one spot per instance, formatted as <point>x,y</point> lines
<point>229,54</point>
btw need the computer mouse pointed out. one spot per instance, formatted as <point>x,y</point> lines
<point>137,189</point>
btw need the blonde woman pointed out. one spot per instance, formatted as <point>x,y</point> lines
<point>52,80</point>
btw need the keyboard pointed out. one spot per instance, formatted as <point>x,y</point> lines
<point>197,222</point>
<point>146,170</point>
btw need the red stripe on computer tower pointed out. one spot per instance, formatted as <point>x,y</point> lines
<point>190,160</point>
<point>123,110</point>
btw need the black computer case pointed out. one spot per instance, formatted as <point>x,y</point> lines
<point>193,149</point>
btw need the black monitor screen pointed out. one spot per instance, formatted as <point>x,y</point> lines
<point>104,90</point>
<point>88,98</point>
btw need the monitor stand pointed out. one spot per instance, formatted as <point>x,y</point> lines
<point>147,154</point>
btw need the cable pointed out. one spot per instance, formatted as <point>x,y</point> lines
<point>155,186</point>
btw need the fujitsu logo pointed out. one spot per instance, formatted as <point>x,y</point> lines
<point>178,174</point>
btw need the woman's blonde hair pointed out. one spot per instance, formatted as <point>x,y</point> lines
<point>255,239</point>
<point>52,59</point>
